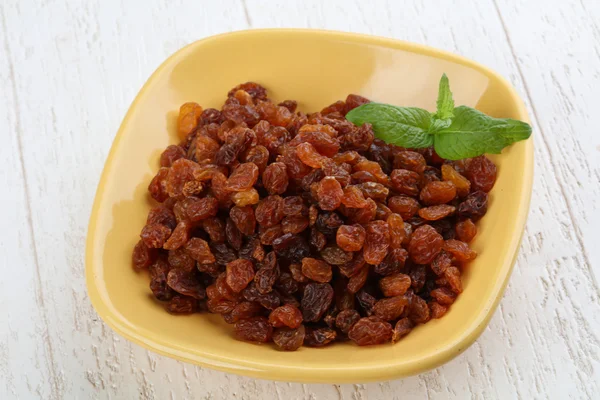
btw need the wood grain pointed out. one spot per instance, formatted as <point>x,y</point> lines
<point>68,72</point>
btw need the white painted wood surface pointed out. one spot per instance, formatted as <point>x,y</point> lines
<point>68,72</point>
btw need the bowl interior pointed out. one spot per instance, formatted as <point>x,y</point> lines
<point>314,68</point>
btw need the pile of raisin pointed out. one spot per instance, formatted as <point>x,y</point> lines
<point>303,229</point>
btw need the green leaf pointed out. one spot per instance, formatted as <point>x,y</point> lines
<point>473,133</point>
<point>445,102</point>
<point>402,126</point>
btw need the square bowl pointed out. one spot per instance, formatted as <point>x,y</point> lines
<point>315,68</point>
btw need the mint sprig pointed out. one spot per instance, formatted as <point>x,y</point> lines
<point>455,132</point>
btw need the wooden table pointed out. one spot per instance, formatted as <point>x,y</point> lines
<point>68,72</point>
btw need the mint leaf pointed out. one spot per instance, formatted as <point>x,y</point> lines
<point>402,126</point>
<point>473,133</point>
<point>445,102</point>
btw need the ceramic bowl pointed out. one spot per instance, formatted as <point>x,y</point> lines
<point>315,68</point>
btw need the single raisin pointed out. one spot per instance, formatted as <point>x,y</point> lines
<point>369,331</point>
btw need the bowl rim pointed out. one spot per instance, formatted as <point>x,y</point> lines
<point>298,373</point>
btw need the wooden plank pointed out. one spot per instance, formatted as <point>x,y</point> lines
<point>71,76</point>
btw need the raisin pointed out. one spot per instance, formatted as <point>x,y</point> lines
<point>395,285</point>
<point>402,328</point>
<point>259,156</point>
<point>319,337</point>
<point>405,182</point>
<point>437,310</point>
<point>243,177</point>
<point>180,305</point>
<point>181,172</point>
<point>291,105</point>
<point>346,319</point>
<point>354,100</point>
<point>143,256</point>
<point>482,173</point>
<point>396,228</point>
<point>268,235</point>
<point>187,121</point>
<point>435,213</point>
<point>357,138</point>
<point>180,258</point>
<point>373,190</point>
<point>329,193</point>
<point>443,296</point>
<point>179,236</point>
<point>322,142</point>
<point>431,174</point>
<point>186,283</point>
<point>253,329</point>
<point>215,228</point>
<point>202,208</point>
<point>293,205</point>
<point>171,154</point>
<point>296,271</point>
<point>267,274</point>
<point>317,239</point>
<point>310,156</point>
<point>275,178</point>
<point>316,300</point>
<point>206,148</point>
<point>474,206</point>
<point>158,280</point>
<point>374,169</point>
<point>425,244</point>
<point>164,216</point>
<point>328,223</point>
<point>286,315</point>
<point>377,242</point>
<point>358,280</point>
<point>418,311</point>
<point>391,308</point>
<point>462,184</point>
<point>353,266</point>
<point>418,276</point>
<point>392,263</point>
<point>211,116</point>
<point>198,249</point>
<point>269,211</point>
<point>350,237</point>
<point>438,193</point>
<point>243,310</point>
<point>316,270</point>
<point>366,302</point>
<point>155,235</point>
<point>239,274</point>
<point>441,262</point>
<point>369,331</point>
<point>459,250</point>
<point>465,230</point>
<point>294,224</point>
<point>287,285</point>
<point>353,197</point>
<point>243,218</point>
<point>363,215</point>
<point>410,160</point>
<point>406,206</point>
<point>158,186</point>
<point>290,246</point>
<point>336,256</point>
<point>289,339</point>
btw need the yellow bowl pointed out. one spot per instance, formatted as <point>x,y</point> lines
<point>315,68</point>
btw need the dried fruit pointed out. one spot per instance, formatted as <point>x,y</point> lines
<point>482,173</point>
<point>369,331</point>
<point>435,213</point>
<point>459,250</point>
<point>275,178</point>
<point>438,193</point>
<point>394,285</point>
<point>329,193</point>
<point>198,249</point>
<point>377,242</point>
<point>186,283</point>
<point>269,211</point>
<point>253,329</point>
<point>474,206</point>
<point>143,256</point>
<point>462,184</point>
<point>390,308</point>
<point>316,300</point>
<point>316,270</point>
<point>425,244</point>
<point>289,339</point>
<point>239,274</point>
<point>155,235</point>
<point>402,328</point>
<point>286,315</point>
<point>243,177</point>
<point>465,230</point>
<point>351,237</point>
<point>319,337</point>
